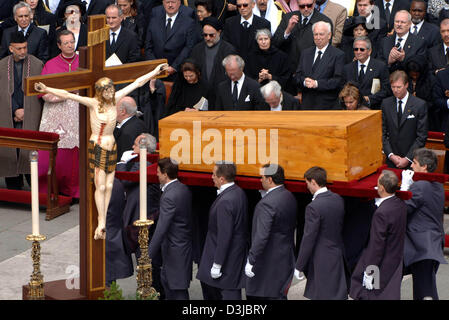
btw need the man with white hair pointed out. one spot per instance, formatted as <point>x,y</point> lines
<point>128,125</point>
<point>277,99</point>
<point>320,71</point>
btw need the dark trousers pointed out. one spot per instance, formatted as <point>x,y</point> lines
<point>16,183</point>
<point>424,279</point>
<point>213,293</point>
<point>254,298</point>
<point>182,294</point>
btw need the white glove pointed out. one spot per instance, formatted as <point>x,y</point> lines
<point>367,281</point>
<point>407,180</point>
<point>215,271</point>
<point>128,155</point>
<point>249,269</point>
<point>299,275</point>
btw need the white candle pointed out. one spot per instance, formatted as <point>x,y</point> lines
<point>34,193</point>
<point>143,179</point>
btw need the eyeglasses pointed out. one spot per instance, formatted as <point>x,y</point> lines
<point>302,6</point>
<point>211,35</point>
<point>360,49</point>
<point>244,5</point>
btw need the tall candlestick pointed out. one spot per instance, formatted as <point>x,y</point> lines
<point>143,179</point>
<point>34,194</point>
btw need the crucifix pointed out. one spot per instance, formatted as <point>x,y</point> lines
<point>92,252</point>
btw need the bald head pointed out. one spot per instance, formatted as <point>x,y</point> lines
<point>126,107</point>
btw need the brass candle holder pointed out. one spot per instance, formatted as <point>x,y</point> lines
<point>36,291</point>
<point>144,276</point>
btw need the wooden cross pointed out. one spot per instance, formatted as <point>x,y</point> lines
<point>92,58</point>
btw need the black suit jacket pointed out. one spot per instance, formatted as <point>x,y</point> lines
<point>126,46</point>
<point>128,132</point>
<point>430,33</point>
<point>397,6</point>
<point>414,46</point>
<point>440,98</point>
<point>177,45</point>
<point>410,134</point>
<point>300,38</point>
<point>217,74</point>
<point>437,58</point>
<point>36,38</point>
<point>289,102</point>
<point>376,69</point>
<point>233,33</point>
<point>329,74</point>
<point>249,98</point>
<point>173,235</point>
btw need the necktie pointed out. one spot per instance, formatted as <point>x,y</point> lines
<point>245,24</point>
<point>168,27</point>
<point>399,111</point>
<point>304,22</point>
<point>415,30</point>
<point>113,39</point>
<point>235,92</point>
<point>399,45</point>
<point>361,73</point>
<point>317,61</point>
<point>387,12</point>
<point>447,55</point>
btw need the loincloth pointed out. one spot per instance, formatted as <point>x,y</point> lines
<point>101,158</point>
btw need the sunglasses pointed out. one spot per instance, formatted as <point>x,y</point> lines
<point>244,5</point>
<point>211,35</point>
<point>360,49</point>
<point>302,6</point>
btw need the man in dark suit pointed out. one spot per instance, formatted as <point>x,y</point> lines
<point>239,92</point>
<point>378,274</point>
<point>294,33</point>
<point>128,125</point>
<point>397,48</point>
<point>366,70</point>
<point>441,97</point>
<point>240,30</point>
<point>273,235</point>
<point>426,31</point>
<point>439,54</point>
<point>123,210</point>
<point>320,71</point>
<point>321,255</point>
<point>36,37</point>
<point>404,123</point>
<point>277,99</point>
<point>170,35</point>
<point>424,241</point>
<point>209,55</point>
<point>123,42</point>
<point>173,235</point>
<point>389,8</point>
<point>221,268</point>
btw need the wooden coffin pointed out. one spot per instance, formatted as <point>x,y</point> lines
<point>348,144</point>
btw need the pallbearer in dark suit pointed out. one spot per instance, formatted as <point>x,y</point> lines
<point>173,235</point>
<point>321,255</point>
<point>404,123</point>
<point>365,70</point>
<point>221,269</point>
<point>424,240</point>
<point>385,250</point>
<point>320,71</point>
<point>277,99</point>
<point>271,259</point>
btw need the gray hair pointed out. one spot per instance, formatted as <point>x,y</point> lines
<point>426,157</point>
<point>120,12</point>
<point>389,181</point>
<point>150,142</point>
<point>236,58</point>
<point>366,39</point>
<point>327,24</point>
<point>270,87</point>
<point>409,16</point>
<point>130,109</point>
<point>265,32</point>
<point>20,5</point>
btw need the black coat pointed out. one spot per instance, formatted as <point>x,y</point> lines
<point>437,58</point>
<point>430,33</point>
<point>376,69</point>
<point>249,98</point>
<point>128,132</point>
<point>274,60</point>
<point>243,40</point>
<point>397,6</point>
<point>126,46</point>
<point>184,95</point>
<point>289,102</point>
<point>137,25</point>
<point>329,74</point>
<point>440,97</point>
